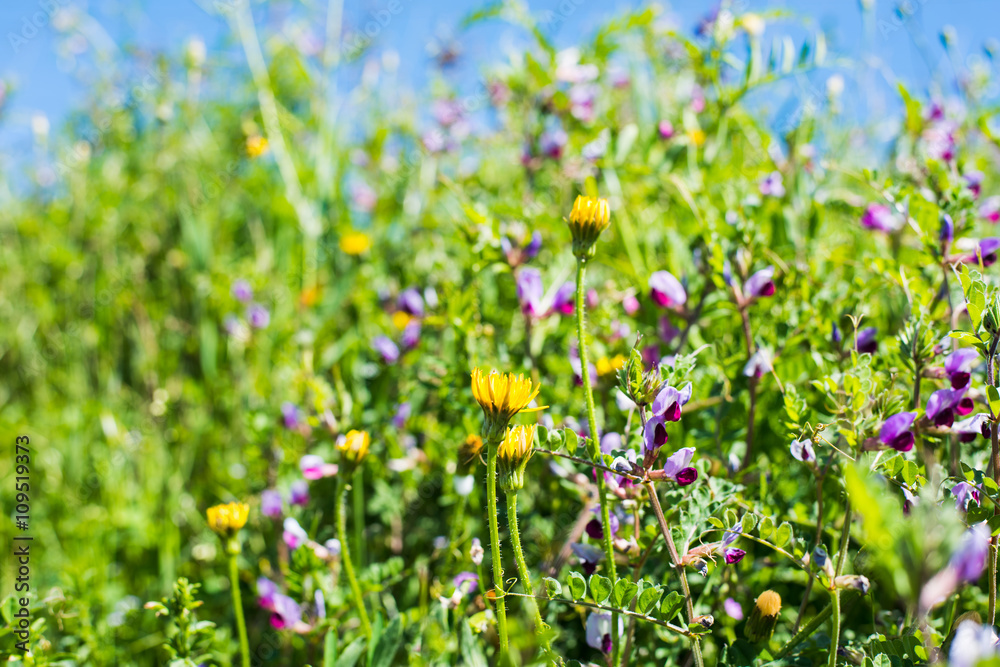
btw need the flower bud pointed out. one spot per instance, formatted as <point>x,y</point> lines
<point>855,581</point>
<point>763,618</point>
<point>590,216</point>
<point>512,457</point>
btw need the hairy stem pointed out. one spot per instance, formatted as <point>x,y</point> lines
<point>241,624</point>
<point>609,551</point>
<point>345,557</point>
<point>522,571</point>
<point>845,537</point>
<point>991,379</point>
<point>676,560</point>
<point>491,511</point>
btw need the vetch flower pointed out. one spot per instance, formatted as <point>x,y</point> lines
<point>287,612</point>
<point>298,494</point>
<point>564,299</point>
<point>669,401</point>
<point>403,411</point>
<point>599,630</point>
<point>802,450</point>
<point>258,316</point>
<point>895,432</point>
<point>291,416</point>
<point>760,284</point>
<point>501,396</point>
<point>990,209</point>
<point>665,129</point>
<point>271,503</point>
<point>314,467</point>
<point>411,302</point>
<point>733,609</point>
<point>959,364</point>
<point>266,590</point>
<point>678,467</point>
<point>731,554</point>
<point>972,644</point>
<point>963,493</point>
<point>242,291</point>
<point>987,249</point>
<point>589,556</point>
<point>943,404</point>
<point>772,185</point>
<point>758,364</point>
<point>512,457</point>
<point>763,618</point>
<point>666,290</point>
<point>227,519</point>
<point>530,291</point>
<point>293,534</point>
<point>946,234</point>
<point>385,347</point>
<point>867,343</point>
<point>466,582</point>
<point>882,218</point>
<point>655,435</point>
<point>411,334</point>
<point>969,428</point>
<point>965,566</point>
<point>589,217</point>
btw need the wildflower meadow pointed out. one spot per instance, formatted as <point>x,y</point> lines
<point>591,357</point>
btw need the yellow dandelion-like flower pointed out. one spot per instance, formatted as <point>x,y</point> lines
<point>696,136</point>
<point>226,520</point>
<point>763,618</point>
<point>355,243</point>
<point>501,395</point>
<point>256,145</point>
<point>353,447</point>
<point>470,450</point>
<point>401,319</point>
<point>513,455</point>
<point>590,216</point>
<point>607,366</point>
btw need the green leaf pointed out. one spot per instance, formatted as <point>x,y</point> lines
<point>783,535</point>
<point>350,656</point>
<point>731,517</point>
<point>572,440</point>
<point>670,605</point>
<point>994,399</point>
<point>388,644</point>
<point>600,588</point>
<point>552,587</point>
<point>748,523</point>
<point>649,597</point>
<point>623,593</point>
<point>766,528</point>
<point>330,648</point>
<point>577,585</point>
<point>472,652</point>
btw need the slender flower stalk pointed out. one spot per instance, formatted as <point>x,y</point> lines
<point>345,556</point>
<point>991,379</point>
<point>491,512</point>
<point>227,520</point>
<point>676,560</point>
<point>845,536</point>
<point>522,570</point>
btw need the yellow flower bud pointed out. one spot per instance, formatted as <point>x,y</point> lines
<point>227,520</point>
<point>590,216</point>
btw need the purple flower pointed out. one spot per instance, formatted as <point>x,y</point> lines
<point>470,580</point>
<point>655,434</point>
<point>410,335</point>
<point>531,250</point>
<point>385,347</point>
<point>599,630</point>
<point>596,530</point>
<point>287,612</point>
<point>758,364</point>
<point>411,302</point>
<point>678,467</point>
<point>270,503</point>
<point>563,302</point>
<point>266,592</point>
<point>669,401</point>
<point>666,129</point>
<point>611,441</point>
<point>940,406</point>
<point>403,411</point>
<point>867,342</point>
<point>772,185</point>
<point>666,290</point>
<point>530,291</point>
<point>760,284</point>
<point>258,316</point>
<point>963,493</point>
<point>947,233</point>
<point>881,217</point>
<point>731,554</point>
<point>896,432</point>
<point>291,415</point>
<point>630,304</point>
<point>835,335</point>
<point>582,99</point>
<point>973,642</point>
<point>987,249</point>
<point>939,141</point>
<point>969,428</point>
<point>969,559</point>
<point>990,208</point>
<point>293,534</point>
<point>313,467</point>
<point>552,142</point>
<point>974,181</point>
<point>733,609</point>
<point>242,291</point>
<point>802,450</point>
<point>589,556</point>
<point>299,492</point>
<point>959,364</point>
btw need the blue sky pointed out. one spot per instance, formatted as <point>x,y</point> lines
<point>39,64</point>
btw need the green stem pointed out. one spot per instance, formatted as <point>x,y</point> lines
<point>806,630</point>
<point>241,624</point>
<point>609,551</point>
<point>345,556</point>
<point>835,633</point>
<point>845,536</point>
<point>522,570</point>
<point>491,510</point>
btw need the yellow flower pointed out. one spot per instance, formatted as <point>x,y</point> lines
<point>696,136</point>
<point>513,455</point>
<point>470,450</point>
<point>400,319</point>
<point>607,366</point>
<point>590,216</point>
<point>763,618</point>
<point>354,447</point>
<point>256,145</point>
<point>355,243</point>
<point>501,396</point>
<point>226,520</point>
